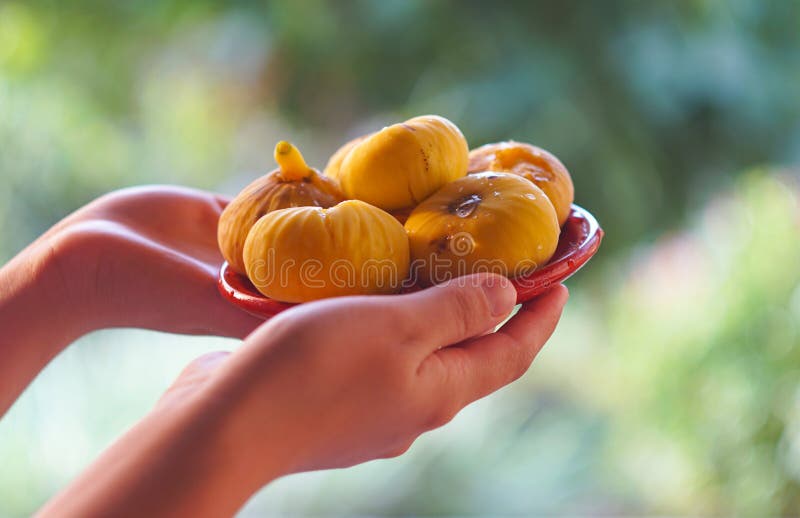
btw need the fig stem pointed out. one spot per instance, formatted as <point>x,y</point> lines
<point>291,163</point>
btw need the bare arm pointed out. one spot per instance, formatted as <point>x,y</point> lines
<point>325,385</point>
<point>144,257</point>
<point>38,317</point>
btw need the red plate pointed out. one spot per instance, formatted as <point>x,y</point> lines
<point>580,238</point>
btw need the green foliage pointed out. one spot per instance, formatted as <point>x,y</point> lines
<point>704,349</point>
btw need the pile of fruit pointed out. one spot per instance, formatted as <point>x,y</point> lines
<point>407,205</point>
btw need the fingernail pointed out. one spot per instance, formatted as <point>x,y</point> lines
<point>500,294</point>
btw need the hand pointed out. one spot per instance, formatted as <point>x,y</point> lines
<point>323,385</point>
<point>349,380</point>
<point>144,257</point>
<point>148,257</point>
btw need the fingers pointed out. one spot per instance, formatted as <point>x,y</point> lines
<point>536,321</point>
<point>203,310</point>
<point>162,212</point>
<point>462,308</point>
<point>482,365</point>
<point>427,320</point>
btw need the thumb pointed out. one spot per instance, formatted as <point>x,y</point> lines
<point>428,320</point>
<point>459,309</point>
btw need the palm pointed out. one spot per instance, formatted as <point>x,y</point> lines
<point>151,260</point>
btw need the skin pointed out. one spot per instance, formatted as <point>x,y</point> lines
<point>324,385</point>
<point>133,258</point>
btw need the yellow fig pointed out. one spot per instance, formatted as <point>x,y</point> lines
<point>401,165</point>
<point>309,253</point>
<point>532,163</point>
<point>293,184</point>
<point>335,161</point>
<point>486,222</point>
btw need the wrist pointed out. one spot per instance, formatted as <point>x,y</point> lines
<point>199,449</point>
<point>38,316</point>
<point>251,442</point>
<point>64,265</point>
<point>252,437</point>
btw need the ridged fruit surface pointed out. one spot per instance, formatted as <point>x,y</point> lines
<point>495,222</point>
<point>335,161</point>
<point>308,253</point>
<point>531,162</point>
<point>402,164</point>
<point>293,184</point>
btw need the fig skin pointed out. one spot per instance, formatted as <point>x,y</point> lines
<point>309,253</point>
<point>293,184</point>
<point>531,162</point>
<point>402,164</point>
<point>334,165</point>
<point>497,222</point>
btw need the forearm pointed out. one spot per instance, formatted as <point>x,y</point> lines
<point>183,460</point>
<point>38,316</point>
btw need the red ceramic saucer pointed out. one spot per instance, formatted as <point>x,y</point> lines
<point>580,238</point>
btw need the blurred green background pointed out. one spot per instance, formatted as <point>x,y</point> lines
<point>672,385</point>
